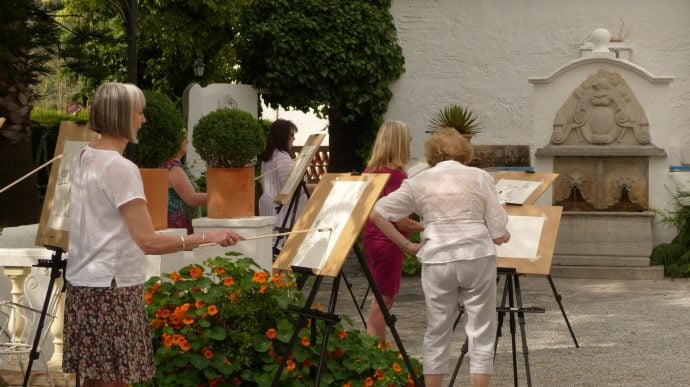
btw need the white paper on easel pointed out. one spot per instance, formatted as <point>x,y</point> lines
<point>515,191</point>
<point>334,214</point>
<point>301,163</point>
<point>59,214</point>
<point>525,232</point>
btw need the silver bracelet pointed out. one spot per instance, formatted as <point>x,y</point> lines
<point>184,244</point>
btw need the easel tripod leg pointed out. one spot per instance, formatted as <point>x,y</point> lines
<point>521,319</point>
<point>511,304</point>
<point>390,319</point>
<point>301,322</point>
<point>348,284</point>
<point>558,298</point>
<point>328,328</point>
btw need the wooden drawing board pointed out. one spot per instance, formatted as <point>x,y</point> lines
<point>53,227</point>
<point>547,239</point>
<point>346,222</point>
<point>546,179</point>
<point>306,154</point>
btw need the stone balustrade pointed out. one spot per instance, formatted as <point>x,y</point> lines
<point>16,266</point>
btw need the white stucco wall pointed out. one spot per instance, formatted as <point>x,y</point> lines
<point>482,53</point>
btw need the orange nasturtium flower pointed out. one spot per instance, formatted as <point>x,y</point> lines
<point>369,382</point>
<point>305,341</point>
<point>228,281</point>
<point>396,367</point>
<point>156,323</point>
<point>148,297</point>
<point>212,310</point>
<point>260,277</point>
<point>378,375</point>
<point>263,289</point>
<point>167,340</point>
<point>198,304</point>
<point>208,353</point>
<point>162,313</point>
<point>348,384</point>
<point>219,270</point>
<point>185,346</point>
<point>271,333</point>
<point>187,320</point>
<point>342,334</point>
<point>290,365</point>
<point>196,272</point>
<point>174,276</point>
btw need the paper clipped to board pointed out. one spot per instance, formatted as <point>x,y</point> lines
<point>334,214</point>
<point>515,191</point>
<point>525,232</point>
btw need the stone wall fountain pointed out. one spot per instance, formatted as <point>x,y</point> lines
<point>601,146</point>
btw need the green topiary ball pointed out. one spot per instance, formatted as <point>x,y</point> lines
<point>228,138</point>
<point>161,135</point>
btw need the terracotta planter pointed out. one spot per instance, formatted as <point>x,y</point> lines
<point>230,192</point>
<point>156,191</point>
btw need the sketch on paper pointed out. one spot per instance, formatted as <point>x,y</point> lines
<point>333,215</point>
<point>515,191</point>
<point>297,172</point>
<point>59,214</point>
<point>525,232</point>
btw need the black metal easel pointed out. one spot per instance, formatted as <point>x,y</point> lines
<point>513,295</point>
<point>57,265</point>
<point>287,225</point>
<point>330,318</point>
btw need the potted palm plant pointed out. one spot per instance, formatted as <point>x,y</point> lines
<point>228,140</point>
<point>159,139</point>
<point>459,117</point>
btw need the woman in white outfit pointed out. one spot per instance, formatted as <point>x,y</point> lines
<point>276,164</point>
<point>463,220</point>
<point>106,335</point>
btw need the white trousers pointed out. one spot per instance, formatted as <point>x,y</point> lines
<point>471,282</point>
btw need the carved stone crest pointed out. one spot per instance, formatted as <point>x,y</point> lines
<point>602,110</point>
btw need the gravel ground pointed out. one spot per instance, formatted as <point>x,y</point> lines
<point>631,333</point>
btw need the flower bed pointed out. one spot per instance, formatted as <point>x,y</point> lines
<point>226,323</point>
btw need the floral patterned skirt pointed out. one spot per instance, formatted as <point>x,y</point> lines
<point>106,334</point>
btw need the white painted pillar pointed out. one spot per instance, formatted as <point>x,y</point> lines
<point>259,249</point>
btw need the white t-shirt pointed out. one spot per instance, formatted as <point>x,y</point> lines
<point>280,164</point>
<point>100,245</point>
<point>460,208</point>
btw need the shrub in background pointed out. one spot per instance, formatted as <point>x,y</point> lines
<point>675,256</point>
<point>228,138</point>
<point>161,135</point>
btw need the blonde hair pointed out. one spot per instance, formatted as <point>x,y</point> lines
<point>112,109</point>
<point>391,148</point>
<point>447,144</point>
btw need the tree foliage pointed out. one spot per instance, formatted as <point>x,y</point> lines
<point>335,56</point>
<point>171,35</point>
<point>28,39</point>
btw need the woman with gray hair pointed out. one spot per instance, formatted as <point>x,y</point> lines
<point>463,220</point>
<point>106,335</point>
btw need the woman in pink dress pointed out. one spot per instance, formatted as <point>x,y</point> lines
<point>390,154</point>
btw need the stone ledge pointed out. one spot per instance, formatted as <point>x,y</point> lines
<point>594,150</point>
<point>592,260</point>
<point>603,272</point>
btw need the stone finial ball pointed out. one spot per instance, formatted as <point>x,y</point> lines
<point>600,38</point>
